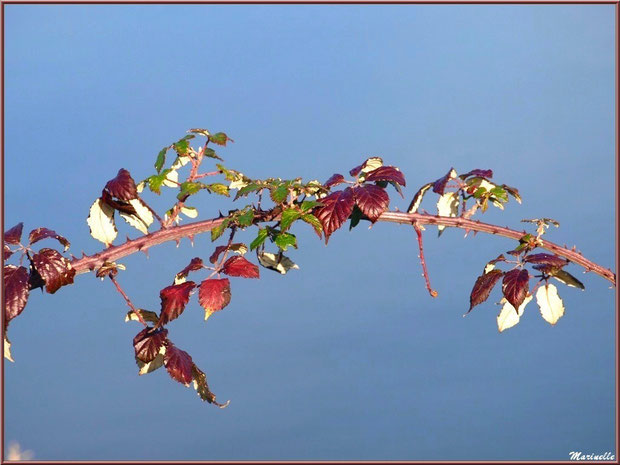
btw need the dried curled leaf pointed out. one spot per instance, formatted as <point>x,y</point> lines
<point>202,388</point>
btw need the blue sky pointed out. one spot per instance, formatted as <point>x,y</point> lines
<point>348,357</point>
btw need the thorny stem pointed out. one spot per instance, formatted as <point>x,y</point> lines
<point>91,262</point>
<point>431,291</point>
<point>129,304</point>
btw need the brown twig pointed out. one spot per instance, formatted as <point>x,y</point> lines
<point>126,297</point>
<point>431,291</point>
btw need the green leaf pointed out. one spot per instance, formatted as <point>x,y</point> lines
<point>201,131</point>
<point>500,193</point>
<point>278,195</point>
<point>479,192</point>
<point>161,159</point>
<point>244,191</point>
<point>218,188</point>
<point>568,279</point>
<point>309,205</point>
<point>288,217</point>
<point>156,181</point>
<point>209,152</point>
<point>181,146</point>
<point>219,138</point>
<point>285,240</point>
<point>219,230</point>
<point>245,217</point>
<point>260,238</point>
<point>314,222</point>
<point>189,188</point>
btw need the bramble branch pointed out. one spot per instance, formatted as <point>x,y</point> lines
<point>92,262</point>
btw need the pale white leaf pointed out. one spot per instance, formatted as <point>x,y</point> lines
<point>140,186</point>
<point>191,212</point>
<point>487,185</point>
<point>372,164</point>
<point>508,316</point>
<point>447,205</point>
<point>239,248</point>
<point>101,222</point>
<point>7,348</point>
<point>142,211</point>
<point>172,179</point>
<point>550,303</point>
<point>180,162</point>
<point>489,267</point>
<point>276,262</point>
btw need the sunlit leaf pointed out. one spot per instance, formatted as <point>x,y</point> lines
<point>508,316</point>
<point>179,364</point>
<point>568,279</point>
<point>153,365</point>
<point>286,240</point>
<point>147,315</point>
<point>276,262</point>
<point>447,205</point>
<point>550,303</point>
<point>214,295</point>
<point>189,188</point>
<point>199,381</point>
<point>173,301</point>
<point>279,193</point>
<point>260,238</point>
<point>220,138</point>
<point>288,217</point>
<point>239,266</point>
<point>245,218</point>
<point>7,348</point>
<point>161,159</point>
<point>217,232</point>
<point>101,222</point>
<point>190,212</point>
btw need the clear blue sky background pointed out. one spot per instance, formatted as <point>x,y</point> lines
<point>348,357</point>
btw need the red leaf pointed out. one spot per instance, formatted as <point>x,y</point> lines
<point>7,252</point>
<point>335,210</point>
<point>194,265</point>
<point>478,174</point>
<point>546,259</point>
<point>42,233</point>
<point>53,268</point>
<point>148,342</point>
<point>216,253</point>
<point>387,173</point>
<point>515,286</point>
<point>483,287</point>
<point>214,294</point>
<point>179,364</point>
<point>14,235</point>
<point>122,186</point>
<point>173,301</point>
<point>239,266</point>
<point>372,200</point>
<point>334,180</point>
<point>355,171</point>
<point>439,186</point>
<point>15,291</point>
